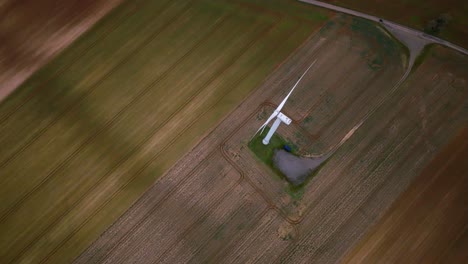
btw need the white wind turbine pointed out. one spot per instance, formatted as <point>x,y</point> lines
<point>280,117</point>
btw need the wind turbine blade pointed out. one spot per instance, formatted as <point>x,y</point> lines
<point>278,109</point>
<point>262,128</point>
<point>280,106</point>
<point>264,125</point>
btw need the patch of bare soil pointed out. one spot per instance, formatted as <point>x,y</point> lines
<point>32,32</point>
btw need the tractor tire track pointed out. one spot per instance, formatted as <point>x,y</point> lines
<point>131,11</point>
<point>88,92</point>
<point>73,154</point>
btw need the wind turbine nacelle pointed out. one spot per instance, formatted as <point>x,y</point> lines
<point>284,118</point>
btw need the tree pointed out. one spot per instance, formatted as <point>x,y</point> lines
<point>434,26</point>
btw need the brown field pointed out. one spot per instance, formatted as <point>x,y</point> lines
<point>429,222</point>
<point>220,204</point>
<point>32,32</point>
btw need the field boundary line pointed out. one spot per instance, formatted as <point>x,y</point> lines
<point>142,93</point>
<point>247,119</point>
<point>204,215</point>
<point>162,149</point>
<point>265,196</point>
<point>223,144</point>
<point>66,160</point>
<point>241,173</point>
<point>162,200</point>
<point>211,132</point>
<point>191,226</point>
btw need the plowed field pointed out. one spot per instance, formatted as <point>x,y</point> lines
<point>402,129</point>
<point>428,223</point>
<point>86,135</point>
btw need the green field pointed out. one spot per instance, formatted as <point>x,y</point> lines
<point>85,136</point>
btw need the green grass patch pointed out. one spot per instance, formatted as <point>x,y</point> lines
<point>388,46</point>
<point>370,31</point>
<point>265,153</point>
<point>295,192</point>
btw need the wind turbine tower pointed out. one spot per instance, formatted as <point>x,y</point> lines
<point>280,117</point>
